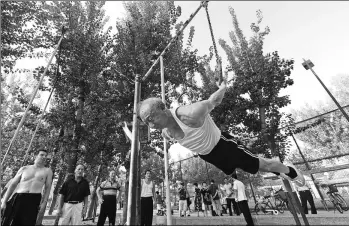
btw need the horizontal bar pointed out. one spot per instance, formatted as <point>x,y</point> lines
<point>324,158</point>
<point>327,169</point>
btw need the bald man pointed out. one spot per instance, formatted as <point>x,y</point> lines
<point>74,198</point>
<point>107,193</point>
<point>193,128</point>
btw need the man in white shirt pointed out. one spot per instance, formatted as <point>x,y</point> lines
<point>305,195</point>
<point>230,197</point>
<point>240,195</point>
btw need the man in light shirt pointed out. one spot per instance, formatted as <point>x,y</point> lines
<point>107,193</point>
<point>230,197</point>
<point>239,190</point>
<point>306,196</point>
<point>193,128</point>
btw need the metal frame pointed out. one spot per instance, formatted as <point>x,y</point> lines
<point>131,205</point>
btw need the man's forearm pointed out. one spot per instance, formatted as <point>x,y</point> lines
<point>9,191</point>
<point>3,191</point>
<point>217,97</point>
<point>85,201</point>
<point>46,193</point>
<point>99,195</point>
<point>61,202</point>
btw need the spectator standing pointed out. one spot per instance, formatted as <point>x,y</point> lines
<point>197,198</point>
<point>182,200</point>
<point>216,203</point>
<point>147,194</point>
<point>74,198</point>
<point>158,202</point>
<point>239,189</point>
<point>188,202</point>
<point>230,197</point>
<point>306,196</point>
<point>23,200</point>
<point>206,197</point>
<point>107,193</point>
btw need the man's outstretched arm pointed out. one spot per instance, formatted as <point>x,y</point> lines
<point>202,108</point>
<point>217,97</point>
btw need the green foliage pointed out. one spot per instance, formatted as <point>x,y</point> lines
<point>22,30</point>
<point>258,79</point>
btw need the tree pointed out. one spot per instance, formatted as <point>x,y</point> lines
<point>22,30</point>
<point>81,62</point>
<point>254,97</point>
<point>328,135</point>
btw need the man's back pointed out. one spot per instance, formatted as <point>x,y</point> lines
<point>213,188</point>
<point>182,194</point>
<point>240,187</point>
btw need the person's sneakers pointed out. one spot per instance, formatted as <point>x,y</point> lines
<point>298,179</point>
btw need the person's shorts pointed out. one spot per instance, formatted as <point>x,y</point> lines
<point>217,205</point>
<point>227,155</point>
<point>183,205</point>
<point>22,209</point>
<point>158,206</point>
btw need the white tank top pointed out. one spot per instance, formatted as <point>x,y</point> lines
<point>199,140</point>
<point>147,189</point>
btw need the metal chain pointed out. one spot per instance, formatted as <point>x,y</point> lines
<point>218,59</point>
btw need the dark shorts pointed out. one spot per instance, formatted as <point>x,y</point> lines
<point>22,209</point>
<point>227,155</point>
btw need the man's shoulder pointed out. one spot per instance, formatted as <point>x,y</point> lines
<point>85,181</point>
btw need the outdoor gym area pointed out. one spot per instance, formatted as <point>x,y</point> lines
<point>164,113</point>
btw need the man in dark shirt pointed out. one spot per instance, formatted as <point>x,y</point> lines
<point>216,203</point>
<point>73,192</point>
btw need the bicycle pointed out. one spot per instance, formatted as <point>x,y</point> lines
<point>281,203</point>
<point>265,205</point>
<point>338,201</point>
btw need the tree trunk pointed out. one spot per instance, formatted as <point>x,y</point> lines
<point>55,191</point>
<point>73,156</point>
<point>94,200</point>
<point>266,136</point>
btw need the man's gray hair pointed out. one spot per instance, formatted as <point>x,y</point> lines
<point>154,103</point>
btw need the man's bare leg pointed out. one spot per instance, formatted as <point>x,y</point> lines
<point>272,165</point>
<point>288,172</point>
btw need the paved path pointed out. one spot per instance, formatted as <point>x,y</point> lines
<point>322,218</point>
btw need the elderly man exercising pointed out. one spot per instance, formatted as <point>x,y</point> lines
<point>193,128</point>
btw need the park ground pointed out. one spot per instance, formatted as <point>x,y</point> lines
<point>323,217</point>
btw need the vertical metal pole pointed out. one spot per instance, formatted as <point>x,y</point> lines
<point>308,168</point>
<point>251,186</point>
<point>168,200</point>
<point>291,201</point>
<point>180,170</point>
<point>139,188</point>
<point>132,191</point>
<point>1,174</point>
<point>329,93</point>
